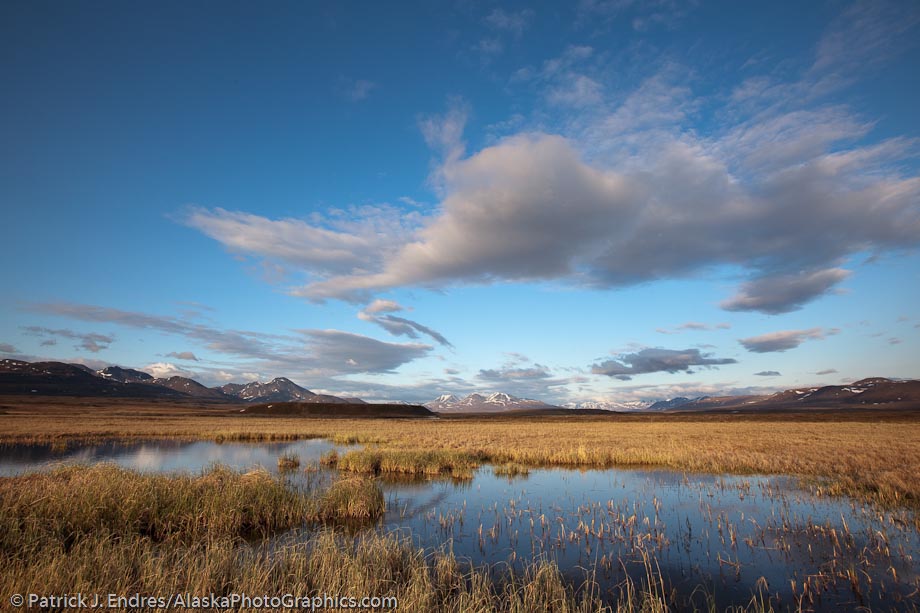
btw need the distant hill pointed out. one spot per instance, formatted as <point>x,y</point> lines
<point>479,403</point>
<point>337,409</point>
<point>871,392</point>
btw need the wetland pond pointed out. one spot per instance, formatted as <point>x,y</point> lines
<point>723,536</point>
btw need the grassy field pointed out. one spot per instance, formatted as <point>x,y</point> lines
<point>108,529</point>
<point>869,455</point>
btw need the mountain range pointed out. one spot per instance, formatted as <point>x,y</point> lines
<point>62,379</point>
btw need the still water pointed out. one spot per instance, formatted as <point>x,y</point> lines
<point>733,535</point>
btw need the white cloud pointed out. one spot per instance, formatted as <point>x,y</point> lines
<point>383,306</point>
<point>164,370</point>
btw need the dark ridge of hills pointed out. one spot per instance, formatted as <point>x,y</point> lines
<point>527,413</point>
<point>336,409</point>
<point>874,392</point>
<point>60,379</point>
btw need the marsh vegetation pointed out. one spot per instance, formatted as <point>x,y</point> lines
<point>476,514</point>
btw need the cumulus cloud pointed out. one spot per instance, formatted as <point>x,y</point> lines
<point>767,373</point>
<point>92,342</point>
<point>531,209</point>
<point>182,355</point>
<point>618,191</point>
<point>784,340</point>
<point>650,360</point>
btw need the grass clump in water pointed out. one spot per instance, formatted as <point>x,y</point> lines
<point>510,470</point>
<point>329,459</point>
<point>353,497</point>
<point>288,461</point>
<point>438,462</point>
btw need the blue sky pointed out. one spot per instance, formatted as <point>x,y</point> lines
<point>569,201</point>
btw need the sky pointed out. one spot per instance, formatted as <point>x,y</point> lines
<point>597,200</point>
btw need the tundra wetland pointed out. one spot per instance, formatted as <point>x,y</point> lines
<point>620,513</point>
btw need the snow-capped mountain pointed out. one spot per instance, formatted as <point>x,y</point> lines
<point>608,405</point>
<point>124,375</point>
<point>279,389</point>
<point>189,387</point>
<point>480,403</point>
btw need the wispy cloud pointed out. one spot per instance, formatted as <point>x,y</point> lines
<point>319,353</point>
<point>784,340</point>
<point>355,90</point>
<point>400,326</point>
<point>92,342</point>
<point>182,355</point>
<point>514,22</point>
<point>694,326</point>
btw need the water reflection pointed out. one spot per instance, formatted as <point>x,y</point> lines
<point>164,456</point>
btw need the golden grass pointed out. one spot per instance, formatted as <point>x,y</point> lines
<point>870,456</point>
<point>70,503</point>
